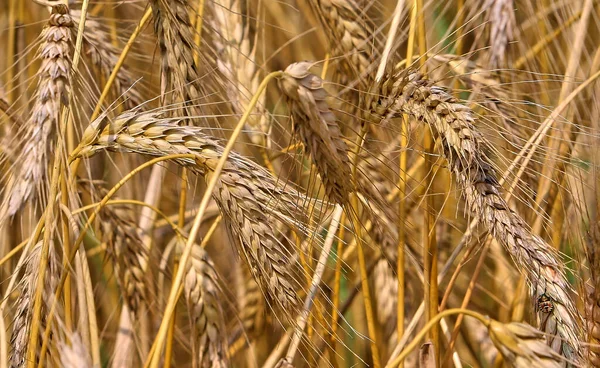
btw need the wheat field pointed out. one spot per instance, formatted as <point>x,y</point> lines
<point>299,183</point>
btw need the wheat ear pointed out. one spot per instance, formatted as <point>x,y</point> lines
<point>347,31</point>
<point>125,246</point>
<point>317,127</point>
<point>104,55</point>
<point>52,92</point>
<point>501,17</point>
<point>237,63</point>
<point>523,346</point>
<point>175,35</point>
<point>202,295</point>
<point>250,199</point>
<point>462,145</point>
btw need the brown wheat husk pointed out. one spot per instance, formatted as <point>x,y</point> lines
<point>52,93</point>
<point>251,200</point>
<point>318,129</point>
<point>463,146</point>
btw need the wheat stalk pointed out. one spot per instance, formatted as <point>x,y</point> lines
<point>250,199</point>
<point>52,92</point>
<point>74,354</point>
<point>462,145</point>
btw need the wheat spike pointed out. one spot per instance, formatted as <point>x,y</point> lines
<point>23,306</point>
<point>52,92</point>
<point>253,306</point>
<point>202,295</point>
<point>593,298</point>
<point>523,346</point>
<point>250,199</point>
<point>348,32</point>
<point>501,18</point>
<point>104,55</point>
<point>462,145</point>
<point>318,129</point>
<point>126,247</point>
<point>179,73</point>
<point>237,63</point>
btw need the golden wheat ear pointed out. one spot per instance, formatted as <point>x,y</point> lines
<point>52,93</point>
<point>317,127</point>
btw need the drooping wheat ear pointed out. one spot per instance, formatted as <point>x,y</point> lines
<point>126,248</point>
<point>24,303</point>
<point>252,201</point>
<point>74,354</point>
<point>348,32</point>
<point>104,55</point>
<point>201,290</point>
<point>317,127</point>
<point>521,345</point>
<point>51,93</point>
<point>237,62</point>
<point>463,146</point>
<point>253,307</point>
<point>501,17</point>
<point>593,298</point>
<point>180,79</point>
